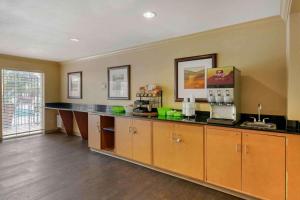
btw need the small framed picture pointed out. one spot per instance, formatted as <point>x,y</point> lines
<point>191,76</point>
<point>75,85</point>
<point>119,82</point>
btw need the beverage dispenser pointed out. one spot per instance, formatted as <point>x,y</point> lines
<point>223,92</point>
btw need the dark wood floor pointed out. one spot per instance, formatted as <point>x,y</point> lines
<point>57,167</point>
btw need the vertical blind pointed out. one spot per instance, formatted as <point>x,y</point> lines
<point>22,102</point>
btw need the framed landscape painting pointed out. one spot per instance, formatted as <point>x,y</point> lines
<point>75,85</point>
<point>191,76</point>
<point>119,82</point>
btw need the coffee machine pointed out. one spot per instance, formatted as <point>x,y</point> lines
<point>223,92</point>
<point>149,99</point>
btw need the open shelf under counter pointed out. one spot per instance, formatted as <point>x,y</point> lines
<point>107,124</point>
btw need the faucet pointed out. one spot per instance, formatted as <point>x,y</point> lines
<point>259,107</point>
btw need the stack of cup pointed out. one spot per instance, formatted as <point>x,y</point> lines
<point>189,107</point>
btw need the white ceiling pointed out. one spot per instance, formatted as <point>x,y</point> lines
<point>41,29</point>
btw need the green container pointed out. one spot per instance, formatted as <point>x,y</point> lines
<point>163,111</point>
<point>170,113</point>
<point>177,114</point>
<point>118,109</point>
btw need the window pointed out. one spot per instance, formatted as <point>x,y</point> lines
<point>22,103</point>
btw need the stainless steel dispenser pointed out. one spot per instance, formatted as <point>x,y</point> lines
<point>223,92</point>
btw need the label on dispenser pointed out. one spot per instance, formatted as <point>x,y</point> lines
<point>220,77</point>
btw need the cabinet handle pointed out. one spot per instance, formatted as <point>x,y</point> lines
<point>178,140</point>
<point>98,126</point>
<point>246,149</point>
<point>130,129</point>
<point>173,136</point>
<point>134,130</point>
<point>238,148</point>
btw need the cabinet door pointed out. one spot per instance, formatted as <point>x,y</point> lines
<point>223,157</point>
<point>94,140</point>
<point>123,137</point>
<point>142,141</point>
<point>189,150</point>
<point>293,166</point>
<point>263,166</point>
<point>162,145</point>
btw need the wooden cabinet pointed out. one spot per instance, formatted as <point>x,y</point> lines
<point>293,167</point>
<point>94,134</point>
<point>263,165</point>
<point>223,157</point>
<point>252,162</point>
<point>123,137</point>
<point>163,145</point>
<point>133,139</point>
<point>142,141</point>
<point>189,150</point>
<point>179,148</point>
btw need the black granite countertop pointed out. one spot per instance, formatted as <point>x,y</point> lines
<point>200,118</point>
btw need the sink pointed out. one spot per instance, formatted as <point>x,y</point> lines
<point>259,125</point>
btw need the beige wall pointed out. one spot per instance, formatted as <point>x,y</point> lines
<point>256,48</point>
<point>295,7</point>
<point>51,72</point>
<point>293,62</point>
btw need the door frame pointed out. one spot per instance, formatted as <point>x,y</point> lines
<point>43,93</point>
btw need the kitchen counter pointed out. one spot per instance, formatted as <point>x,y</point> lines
<point>201,117</point>
<point>159,147</point>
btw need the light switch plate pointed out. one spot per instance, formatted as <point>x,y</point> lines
<point>103,85</point>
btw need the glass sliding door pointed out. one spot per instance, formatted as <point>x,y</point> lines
<point>22,103</point>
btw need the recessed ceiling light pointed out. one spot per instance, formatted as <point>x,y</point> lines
<point>149,15</point>
<point>74,39</point>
